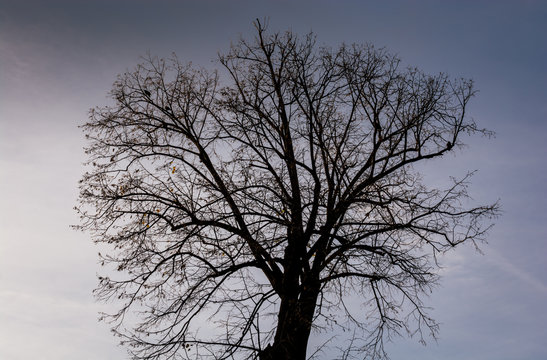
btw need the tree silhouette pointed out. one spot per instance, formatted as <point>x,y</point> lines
<point>261,201</point>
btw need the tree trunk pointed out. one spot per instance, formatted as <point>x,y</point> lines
<point>293,328</point>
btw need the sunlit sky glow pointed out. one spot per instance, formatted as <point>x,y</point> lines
<point>59,58</point>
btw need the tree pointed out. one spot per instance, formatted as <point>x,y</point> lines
<point>263,200</point>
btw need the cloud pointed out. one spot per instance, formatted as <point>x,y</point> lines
<point>52,327</point>
<point>505,265</point>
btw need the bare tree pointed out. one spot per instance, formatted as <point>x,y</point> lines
<point>261,203</point>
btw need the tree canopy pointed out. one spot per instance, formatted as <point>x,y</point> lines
<point>242,209</point>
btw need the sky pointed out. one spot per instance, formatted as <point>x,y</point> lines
<point>58,59</point>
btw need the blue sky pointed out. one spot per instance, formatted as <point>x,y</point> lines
<point>59,58</point>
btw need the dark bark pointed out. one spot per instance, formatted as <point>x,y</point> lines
<point>293,330</point>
